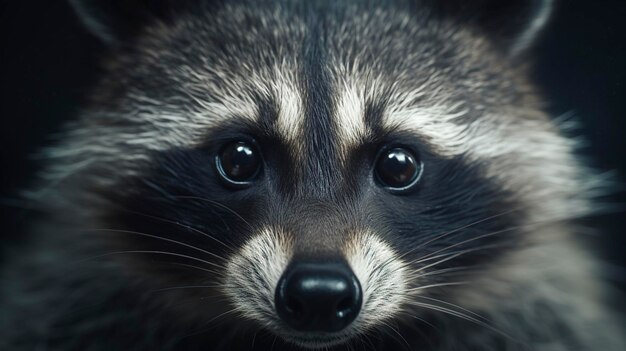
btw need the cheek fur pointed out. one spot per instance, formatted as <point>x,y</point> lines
<point>383,276</point>
<point>253,273</point>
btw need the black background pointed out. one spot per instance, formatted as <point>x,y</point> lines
<point>47,61</point>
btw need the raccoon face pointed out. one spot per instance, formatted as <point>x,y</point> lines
<point>325,171</point>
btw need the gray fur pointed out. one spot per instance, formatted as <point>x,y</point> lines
<point>443,81</point>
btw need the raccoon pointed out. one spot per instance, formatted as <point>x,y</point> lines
<point>292,175</point>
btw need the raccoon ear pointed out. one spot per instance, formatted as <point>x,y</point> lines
<point>512,24</point>
<point>114,20</point>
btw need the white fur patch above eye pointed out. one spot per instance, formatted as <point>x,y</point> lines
<point>435,123</point>
<point>349,114</point>
<point>383,277</point>
<point>291,112</point>
<point>253,273</point>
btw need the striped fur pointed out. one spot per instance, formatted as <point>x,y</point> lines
<point>484,254</point>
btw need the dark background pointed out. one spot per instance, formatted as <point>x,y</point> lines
<point>47,60</point>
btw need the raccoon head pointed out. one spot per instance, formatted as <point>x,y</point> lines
<point>324,170</point>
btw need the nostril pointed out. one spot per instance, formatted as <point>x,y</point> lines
<point>318,296</point>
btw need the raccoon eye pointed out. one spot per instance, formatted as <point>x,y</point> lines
<point>238,163</point>
<point>398,169</point>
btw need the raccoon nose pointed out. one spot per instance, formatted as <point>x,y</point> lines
<point>322,297</point>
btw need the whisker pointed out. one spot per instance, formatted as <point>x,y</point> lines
<point>151,252</point>
<point>213,300</point>
<point>431,258</point>
<point>497,232</point>
<point>462,316</point>
<point>165,220</point>
<point>397,333</point>
<point>366,340</point>
<point>196,267</point>
<point>418,260</point>
<point>451,257</point>
<point>204,330</point>
<point>185,287</point>
<point>426,257</point>
<point>490,234</point>
<point>430,286</point>
<point>447,271</point>
<point>455,306</point>
<point>160,238</point>
<point>441,236</point>
<point>216,203</point>
<point>421,320</point>
<point>509,229</point>
<point>254,339</point>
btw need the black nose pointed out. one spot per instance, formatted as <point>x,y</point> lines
<point>318,296</point>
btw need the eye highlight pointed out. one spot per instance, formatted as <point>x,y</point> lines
<point>238,163</point>
<point>398,169</point>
